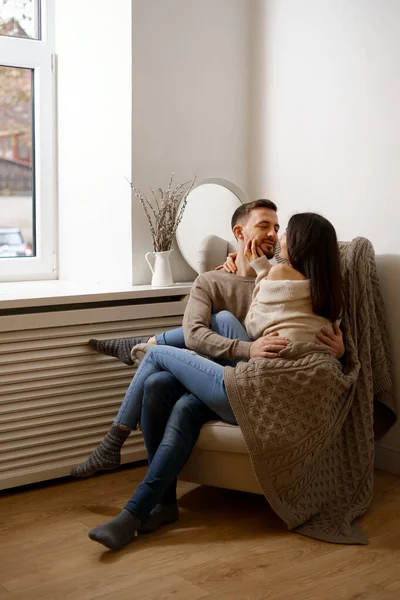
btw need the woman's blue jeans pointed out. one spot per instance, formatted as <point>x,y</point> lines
<point>224,323</point>
<point>200,376</point>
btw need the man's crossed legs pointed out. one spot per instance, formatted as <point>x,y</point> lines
<point>171,420</point>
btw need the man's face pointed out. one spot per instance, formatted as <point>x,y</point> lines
<point>263,226</point>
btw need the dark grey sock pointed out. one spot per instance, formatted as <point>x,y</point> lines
<point>106,456</point>
<point>118,348</point>
<point>160,515</point>
<point>118,532</point>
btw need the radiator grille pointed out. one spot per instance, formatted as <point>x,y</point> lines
<point>57,396</point>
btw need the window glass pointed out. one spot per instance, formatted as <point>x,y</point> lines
<point>20,18</point>
<point>16,154</point>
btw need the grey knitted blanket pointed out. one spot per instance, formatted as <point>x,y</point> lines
<point>308,419</point>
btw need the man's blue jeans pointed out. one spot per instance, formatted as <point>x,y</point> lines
<point>171,421</point>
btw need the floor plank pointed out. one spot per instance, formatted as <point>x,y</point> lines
<point>356,590</point>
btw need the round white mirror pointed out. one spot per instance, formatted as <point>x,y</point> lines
<point>209,210</point>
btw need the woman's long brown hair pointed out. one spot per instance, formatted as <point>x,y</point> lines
<point>313,250</point>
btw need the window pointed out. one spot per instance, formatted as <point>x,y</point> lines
<point>27,144</point>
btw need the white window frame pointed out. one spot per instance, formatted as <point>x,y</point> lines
<point>38,55</point>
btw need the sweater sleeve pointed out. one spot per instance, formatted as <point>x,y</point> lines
<point>262,267</point>
<point>196,326</point>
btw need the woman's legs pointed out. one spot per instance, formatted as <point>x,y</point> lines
<point>200,376</point>
<point>107,454</point>
<point>227,325</point>
<point>174,338</point>
<point>121,348</point>
<point>224,323</point>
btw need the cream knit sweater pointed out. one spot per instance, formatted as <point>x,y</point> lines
<point>282,306</point>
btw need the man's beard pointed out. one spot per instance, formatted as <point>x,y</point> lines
<point>269,253</point>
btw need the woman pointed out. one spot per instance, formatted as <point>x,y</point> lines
<point>303,295</point>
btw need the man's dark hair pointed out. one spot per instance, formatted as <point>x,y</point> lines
<point>242,213</point>
<point>313,250</point>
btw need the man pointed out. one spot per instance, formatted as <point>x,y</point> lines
<point>171,419</point>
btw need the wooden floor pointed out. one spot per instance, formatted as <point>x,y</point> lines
<point>226,546</point>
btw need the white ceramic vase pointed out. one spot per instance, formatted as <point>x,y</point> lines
<point>162,275</point>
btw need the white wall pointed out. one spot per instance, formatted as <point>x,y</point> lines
<point>326,125</point>
<point>190,101</point>
<point>94,48</point>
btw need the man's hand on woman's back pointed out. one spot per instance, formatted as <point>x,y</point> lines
<point>229,265</point>
<point>238,263</point>
<point>268,346</point>
<point>332,339</point>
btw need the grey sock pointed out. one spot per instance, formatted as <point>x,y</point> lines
<point>118,532</point>
<point>118,348</point>
<point>106,456</point>
<point>160,515</point>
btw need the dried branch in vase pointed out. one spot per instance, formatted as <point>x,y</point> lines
<point>165,211</point>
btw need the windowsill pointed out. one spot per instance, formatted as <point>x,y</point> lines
<point>24,294</point>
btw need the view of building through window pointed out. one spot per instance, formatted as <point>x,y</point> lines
<point>18,18</point>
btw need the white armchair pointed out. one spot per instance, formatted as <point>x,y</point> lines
<point>213,251</point>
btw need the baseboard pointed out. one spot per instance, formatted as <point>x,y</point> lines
<point>387,458</point>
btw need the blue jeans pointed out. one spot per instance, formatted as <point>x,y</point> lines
<point>171,422</point>
<point>174,338</point>
<point>200,376</point>
<point>224,323</point>
<point>161,393</point>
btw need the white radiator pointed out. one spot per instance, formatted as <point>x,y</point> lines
<point>57,396</point>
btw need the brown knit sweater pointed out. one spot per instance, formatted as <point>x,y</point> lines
<point>212,292</point>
